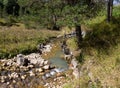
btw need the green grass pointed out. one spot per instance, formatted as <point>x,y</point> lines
<point>103,35</point>
<point>101,46</point>
<point>16,40</point>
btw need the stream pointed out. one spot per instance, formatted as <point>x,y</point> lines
<point>58,61</point>
<point>12,74</point>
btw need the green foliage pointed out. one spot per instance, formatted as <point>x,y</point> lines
<point>5,2</point>
<point>23,2</point>
<point>103,34</point>
<point>116,11</point>
<point>47,14</point>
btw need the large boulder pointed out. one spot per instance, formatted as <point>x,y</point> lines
<point>47,48</point>
<point>22,61</point>
<point>35,58</point>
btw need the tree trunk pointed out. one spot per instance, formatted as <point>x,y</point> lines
<point>78,35</point>
<point>109,10</point>
<point>1,10</point>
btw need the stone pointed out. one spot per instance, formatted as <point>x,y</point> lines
<point>9,63</point>
<point>46,67</point>
<point>47,84</point>
<point>34,58</point>
<point>47,75</point>
<point>23,77</point>
<point>52,66</point>
<point>39,70</point>
<point>74,63</point>
<point>46,62</point>
<point>8,83</point>
<point>47,48</point>
<point>2,80</point>
<point>41,62</point>
<point>14,81</point>
<point>76,73</point>
<point>68,57</point>
<point>44,77</point>
<point>13,75</point>
<point>59,36</point>
<point>83,34</point>
<point>30,66</point>
<point>52,72</point>
<point>26,62</point>
<point>66,51</point>
<point>20,59</point>
<point>58,70</point>
<point>31,73</point>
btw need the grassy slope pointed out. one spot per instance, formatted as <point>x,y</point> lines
<point>101,51</point>
<point>16,40</point>
<point>99,71</point>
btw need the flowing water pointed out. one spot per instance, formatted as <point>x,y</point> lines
<point>57,60</point>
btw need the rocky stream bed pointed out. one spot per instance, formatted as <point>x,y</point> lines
<point>33,70</point>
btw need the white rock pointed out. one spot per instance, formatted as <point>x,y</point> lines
<point>58,70</point>
<point>23,77</point>
<point>39,69</point>
<point>47,84</point>
<point>31,66</point>
<point>2,80</point>
<point>8,83</point>
<point>31,73</point>
<point>47,75</point>
<point>20,59</point>
<point>14,81</point>
<point>59,36</point>
<point>46,62</point>
<point>74,63</point>
<point>44,77</point>
<point>13,75</point>
<point>46,67</point>
<point>52,72</point>
<point>47,48</point>
<point>41,62</point>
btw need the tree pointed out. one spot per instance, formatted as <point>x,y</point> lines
<point>1,8</point>
<point>109,10</point>
<point>12,7</point>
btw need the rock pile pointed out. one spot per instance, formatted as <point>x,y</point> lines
<point>22,67</point>
<point>44,48</point>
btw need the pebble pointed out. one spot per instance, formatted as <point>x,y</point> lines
<point>39,70</point>
<point>14,81</point>
<point>8,83</point>
<point>47,75</point>
<point>46,67</point>
<point>31,73</point>
<point>52,72</point>
<point>23,77</point>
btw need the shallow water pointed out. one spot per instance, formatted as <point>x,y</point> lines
<point>58,61</point>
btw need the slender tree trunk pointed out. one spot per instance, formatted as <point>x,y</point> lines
<point>109,10</point>
<point>1,10</point>
<point>78,35</point>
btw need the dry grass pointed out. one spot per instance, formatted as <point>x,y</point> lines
<point>99,71</point>
<point>15,40</point>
